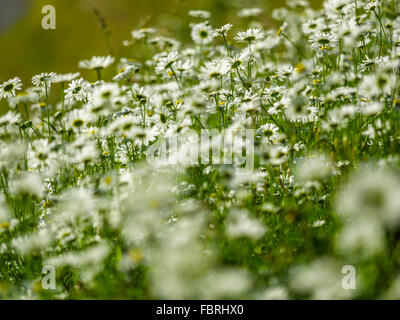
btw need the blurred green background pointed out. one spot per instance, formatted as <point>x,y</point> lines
<point>27,49</point>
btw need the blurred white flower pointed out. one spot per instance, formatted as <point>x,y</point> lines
<point>240,224</point>
<point>29,184</point>
<point>97,62</point>
<point>371,193</point>
<point>363,237</point>
<point>320,280</point>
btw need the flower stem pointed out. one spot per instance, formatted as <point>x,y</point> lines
<point>48,110</point>
<point>176,78</point>
<point>98,70</point>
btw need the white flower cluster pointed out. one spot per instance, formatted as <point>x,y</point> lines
<point>321,94</point>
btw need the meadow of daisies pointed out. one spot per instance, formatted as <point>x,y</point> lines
<point>322,197</point>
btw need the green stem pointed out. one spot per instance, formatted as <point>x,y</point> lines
<point>176,78</point>
<point>98,71</point>
<point>226,46</point>
<point>48,110</point>
<point>198,120</point>
<point>62,97</point>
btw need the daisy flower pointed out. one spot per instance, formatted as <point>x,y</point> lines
<point>373,85</point>
<point>298,111</point>
<point>86,153</point>
<point>371,6</point>
<point>223,31</point>
<point>125,73</point>
<point>77,90</point>
<point>312,26</point>
<point>269,131</point>
<point>43,79</point>
<point>239,60</point>
<point>39,153</point>
<point>284,71</point>
<point>77,119</point>
<point>202,33</point>
<point>368,64</point>
<point>348,111</point>
<point>278,154</point>
<point>22,97</point>
<point>371,109</point>
<point>349,31</point>
<point>323,41</point>
<point>97,62</point>
<point>200,14</point>
<point>165,43</point>
<point>8,88</point>
<point>250,35</point>
<point>372,194</point>
<point>142,136</point>
<point>142,33</point>
<point>335,6</point>
<point>124,126</point>
<point>194,105</point>
<point>10,117</point>
<point>214,69</point>
<point>183,66</point>
<point>250,12</point>
<point>68,77</point>
<point>105,94</point>
<point>167,62</point>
